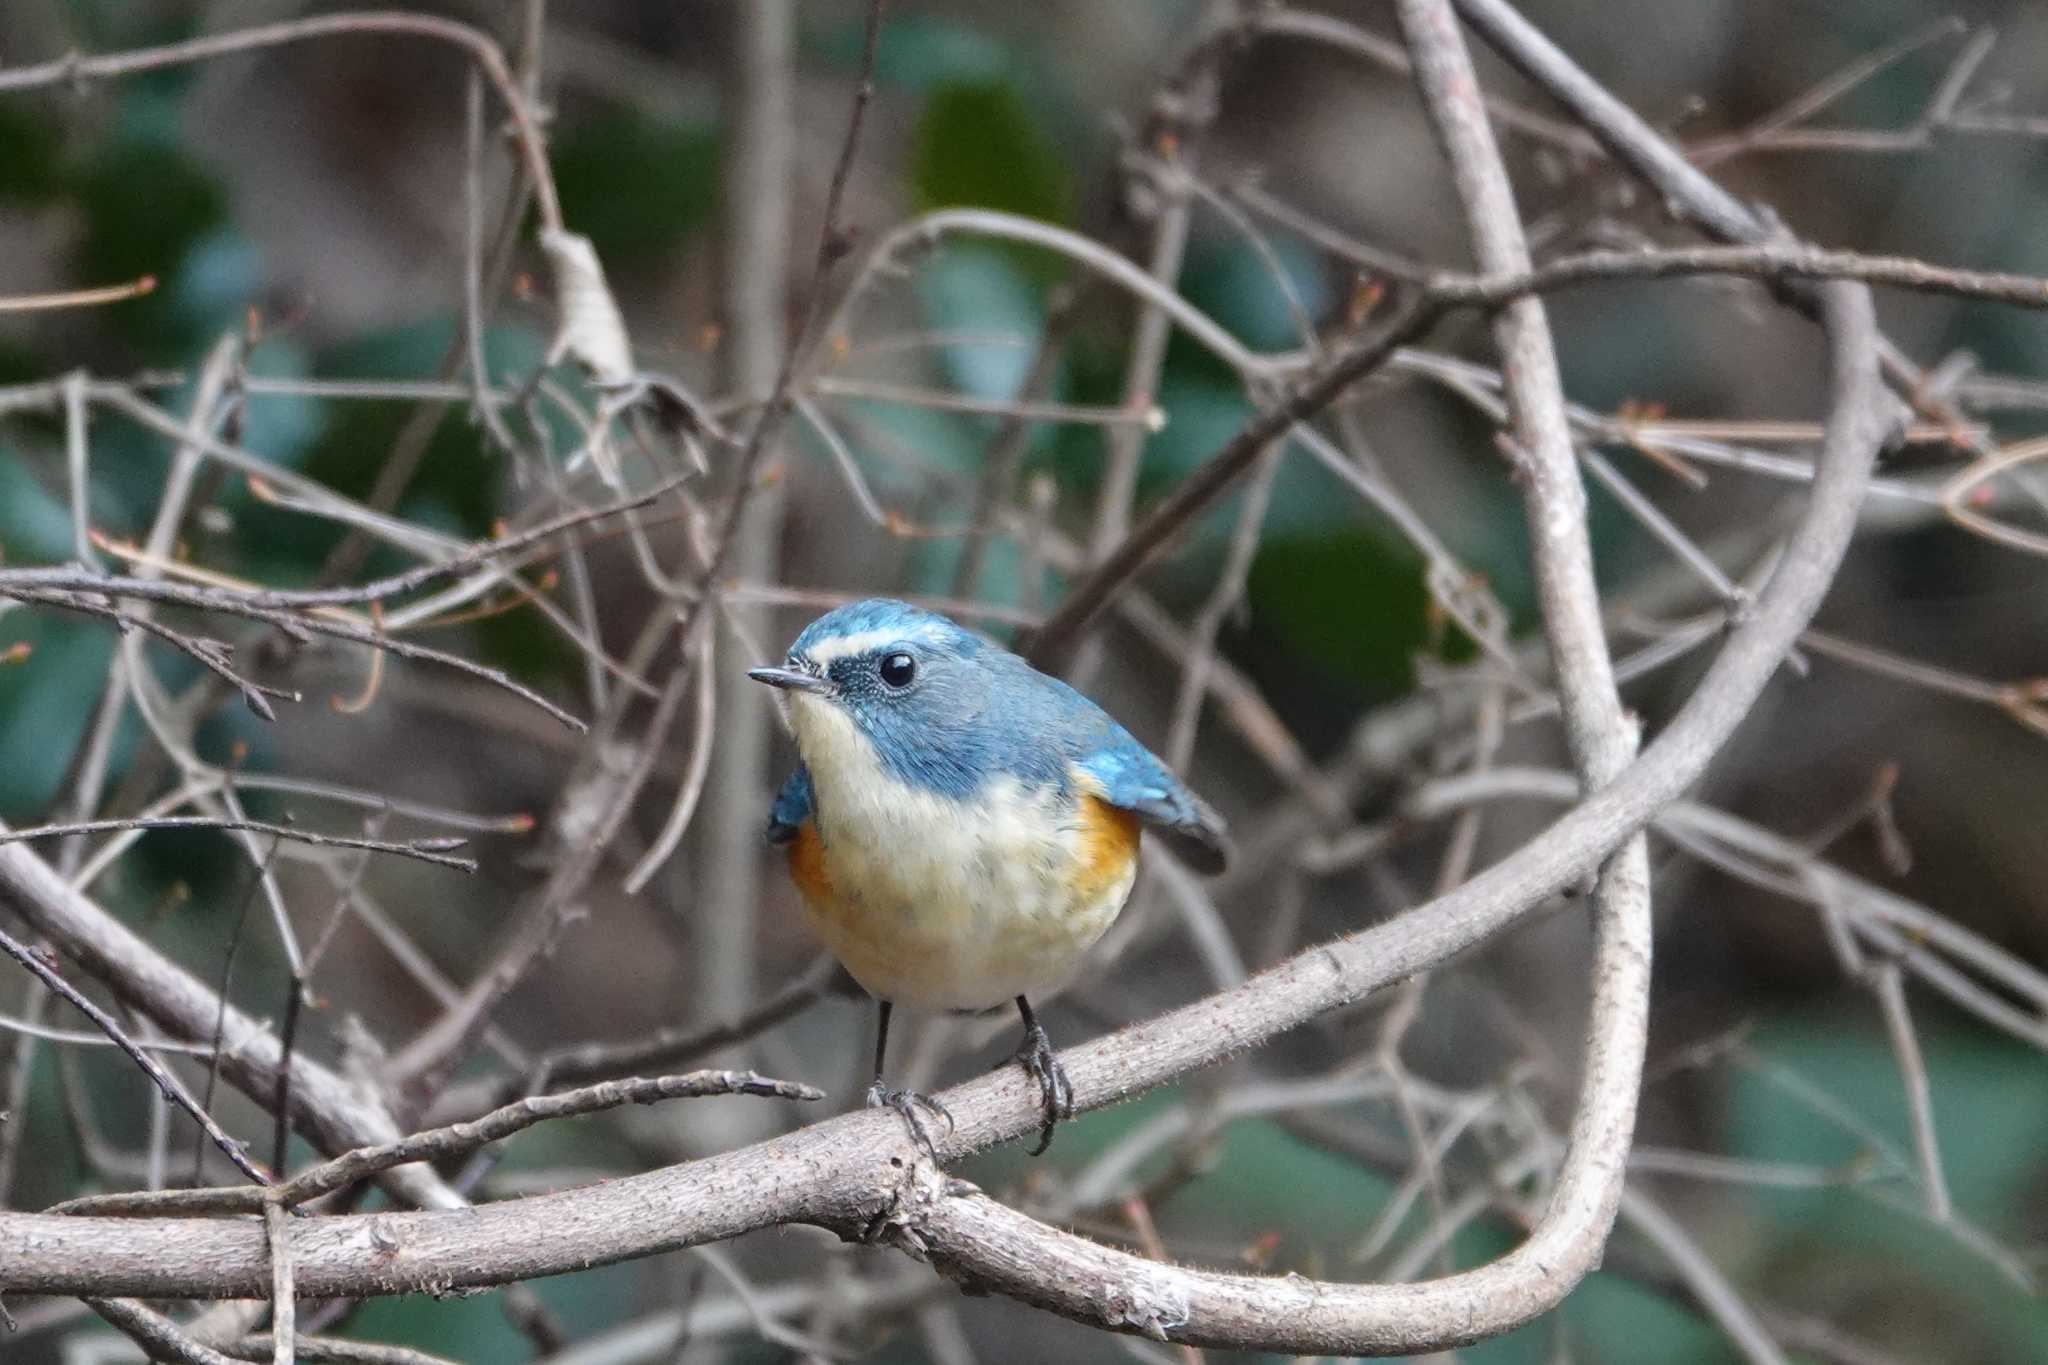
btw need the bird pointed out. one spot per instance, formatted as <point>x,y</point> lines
<point>961,827</point>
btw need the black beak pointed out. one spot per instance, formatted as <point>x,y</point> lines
<point>789,680</point>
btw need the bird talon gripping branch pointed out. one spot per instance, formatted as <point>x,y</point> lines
<point>962,827</point>
<point>911,1106</point>
<point>1042,1064</point>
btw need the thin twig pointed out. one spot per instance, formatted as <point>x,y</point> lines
<point>75,68</point>
<point>333,1351</point>
<point>1887,982</point>
<point>440,1144</point>
<point>157,1335</point>
<point>78,298</point>
<point>425,850</point>
<point>1179,124</point>
<point>665,1047</point>
<point>152,1068</point>
<point>702,739</point>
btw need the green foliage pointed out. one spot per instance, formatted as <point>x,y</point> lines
<point>919,51</point>
<point>34,527</point>
<point>977,145</point>
<point>1989,1127</point>
<point>638,187</point>
<point>1351,604</point>
<point>980,289</point>
<point>47,699</point>
<point>30,168</point>
<point>145,205</point>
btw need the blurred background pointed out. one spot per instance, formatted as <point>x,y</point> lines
<point>315,202</point>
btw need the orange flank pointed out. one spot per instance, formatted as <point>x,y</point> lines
<point>1109,844</point>
<point>807,865</point>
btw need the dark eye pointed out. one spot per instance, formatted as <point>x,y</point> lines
<point>898,669</point>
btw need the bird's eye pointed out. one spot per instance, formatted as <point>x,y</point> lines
<point>898,669</point>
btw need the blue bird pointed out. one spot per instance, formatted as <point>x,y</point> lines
<point>962,828</point>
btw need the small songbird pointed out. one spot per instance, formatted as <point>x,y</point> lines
<point>962,827</point>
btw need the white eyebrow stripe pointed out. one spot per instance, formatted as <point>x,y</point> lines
<point>858,643</point>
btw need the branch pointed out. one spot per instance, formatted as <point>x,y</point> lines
<point>756,238</point>
<point>426,850</point>
<point>836,1172</point>
<point>439,1144</point>
<point>74,68</point>
<point>1775,261</point>
<point>1176,129</point>
<point>831,246</point>
<point>284,1305</point>
<point>77,298</point>
<point>76,590</point>
<point>664,1047</point>
<point>1769,261</point>
<point>157,1335</point>
<point>1568,1240</point>
<point>331,1111</point>
<point>151,1067</point>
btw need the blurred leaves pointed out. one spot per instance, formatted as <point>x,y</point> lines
<point>145,205</point>
<point>638,187</point>
<point>977,145</point>
<point>1348,602</point>
<point>980,291</point>
<point>920,51</point>
<point>34,527</point>
<point>47,699</point>
<point>1989,1126</point>
<point>30,168</point>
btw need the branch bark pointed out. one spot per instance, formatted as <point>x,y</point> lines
<point>838,1173</point>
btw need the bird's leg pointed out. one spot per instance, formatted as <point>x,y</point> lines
<point>909,1105</point>
<point>1043,1065</point>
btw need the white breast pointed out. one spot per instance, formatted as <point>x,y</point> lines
<point>942,904</point>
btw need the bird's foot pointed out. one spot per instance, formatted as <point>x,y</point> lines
<point>1042,1064</point>
<point>911,1107</point>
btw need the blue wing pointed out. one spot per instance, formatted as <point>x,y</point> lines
<point>1131,776</point>
<point>792,807</point>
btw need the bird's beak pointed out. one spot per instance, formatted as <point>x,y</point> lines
<point>789,680</point>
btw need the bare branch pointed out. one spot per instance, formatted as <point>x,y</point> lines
<point>666,1047</point>
<point>284,1316</point>
<point>425,850</point>
<point>164,1080</point>
<point>75,68</point>
<point>78,298</point>
<point>157,1335</point>
<point>334,1113</point>
<point>834,1173</point>
<point>439,1144</point>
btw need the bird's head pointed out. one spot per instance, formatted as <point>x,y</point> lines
<point>926,695</point>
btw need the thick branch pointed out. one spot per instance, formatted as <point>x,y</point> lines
<point>836,1172</point>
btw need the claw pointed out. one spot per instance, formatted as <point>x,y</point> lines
<point>911,1107</point>
<point>1042,1064</point>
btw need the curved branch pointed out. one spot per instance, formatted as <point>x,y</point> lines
<point>837,1173</point>
<point>74,68</point>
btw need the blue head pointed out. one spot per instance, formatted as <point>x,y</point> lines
<point>942,709</point>
<point>883,689</point>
